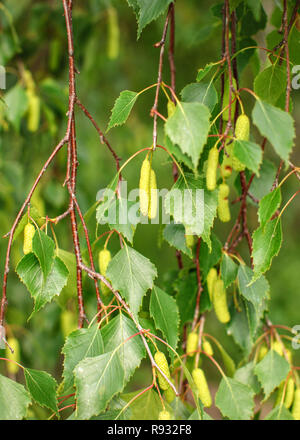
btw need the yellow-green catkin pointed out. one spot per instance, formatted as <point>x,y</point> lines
<point>29,231</point>
<point>170,394</point>
<point>13,368</point>
<point>190,240</point>
<point>262,352</point>
<point>164,415</point>
<point>220,302</point>
<point>144,186</point>
<point>296,405</point>
<point>212,276</point>
<point>202,387</point>
<point>207,348</point>
<point>242,131</point>
<point>34,104</point>
<point>289,394</point>
<point>68,322</point>
<point>153,196</point>
<point>212,167</point>
<point>192,343</point>
<point>171,108</point>
<point>104,258</point>
<point>227,166</point>
<point>223,203</point>
<point>162,363</point>
<point>113,43</point>
<point>277,346</point>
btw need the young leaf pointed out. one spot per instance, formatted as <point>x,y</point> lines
<point>43,248</point>
<point>229,270</point>
<point>164,310</point>
<point>249,153</point>
<point>271,371</point>
<point>276,125</point>
<point>145,407</point>
<point>174,234</point>
<point>122,108</point>
<point>117,335</point>
<point>266,245</point>
<point>41,289</point>
<point>14,399</point>
<point>268,205</point>
<point>80,344</point>
<point>188,127</point>
<point>246,376</point>
<point>202,72</point>
<point>257,292</point>
<point>205,93</point>
<point>132,274</point>
<point>235,399</point>
<point>150,10</point>
<point>270,83</point>
<point>42,387</point>
<point>97,380</point>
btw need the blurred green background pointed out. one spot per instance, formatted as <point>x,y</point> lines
<point>32,37</point>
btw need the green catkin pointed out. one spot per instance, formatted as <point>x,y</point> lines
<point>262,352</point>
<point>171,108</point>
<point>162,363</point>
<point>277,346</point>
<point>29,231</point>
<point>202,387</point>
<point>153,196</point>
<point>34,104</point>
<point>289,394</point>
<point>104,258</point>
<point>170,394</point>
<point>296,405</point>
<point>164,415</point>
<point>208,348</point>
<point>242,131</point>
<point>13,368</point>
<point>220,302</point>
<point>226,167</point>
<point>226,99</point>
<point>144,186</point>
<point>189,239</point>
<point>67,322</point>
<point>223,203</point>
<point>212,167</point>
<point>113,34</point>
<point>192,343</point>
<point>212,276</point>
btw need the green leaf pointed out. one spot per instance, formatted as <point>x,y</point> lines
<point>164,310</point>
<point>276,125</point>
<point>196,214</point>
<point>268,205</point>
<point>246,376</point>
<point>145,407</point>
<point>188,127</point>
<point>43,248</point>
<point>270,83</point>
<point>202,72</point>
<point>238,328</point>
<point>279,413</point>
<point>41,289</point>
<point>14,400</point>
<point>80,344</point>
<point>263,183</point>
<point>256,292</point>
<point>229,270</point>
<point>249,153</point>
<point>150,10</point>
<point>122,108</point>
<point>205,93</point>
<point>266,245</point>
<point>209,256</point>
<point>69,260</point>
<point>174,234</point>
<point>179,155</point>
<point>235,399</point>
<point>42,387</point>
<point>271,371</point>
<point>17,104</point>
<point>97,380</point>
<point>117,335</point>
<point>132,274</point>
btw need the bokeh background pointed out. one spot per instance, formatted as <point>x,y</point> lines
<point>32,37</point>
